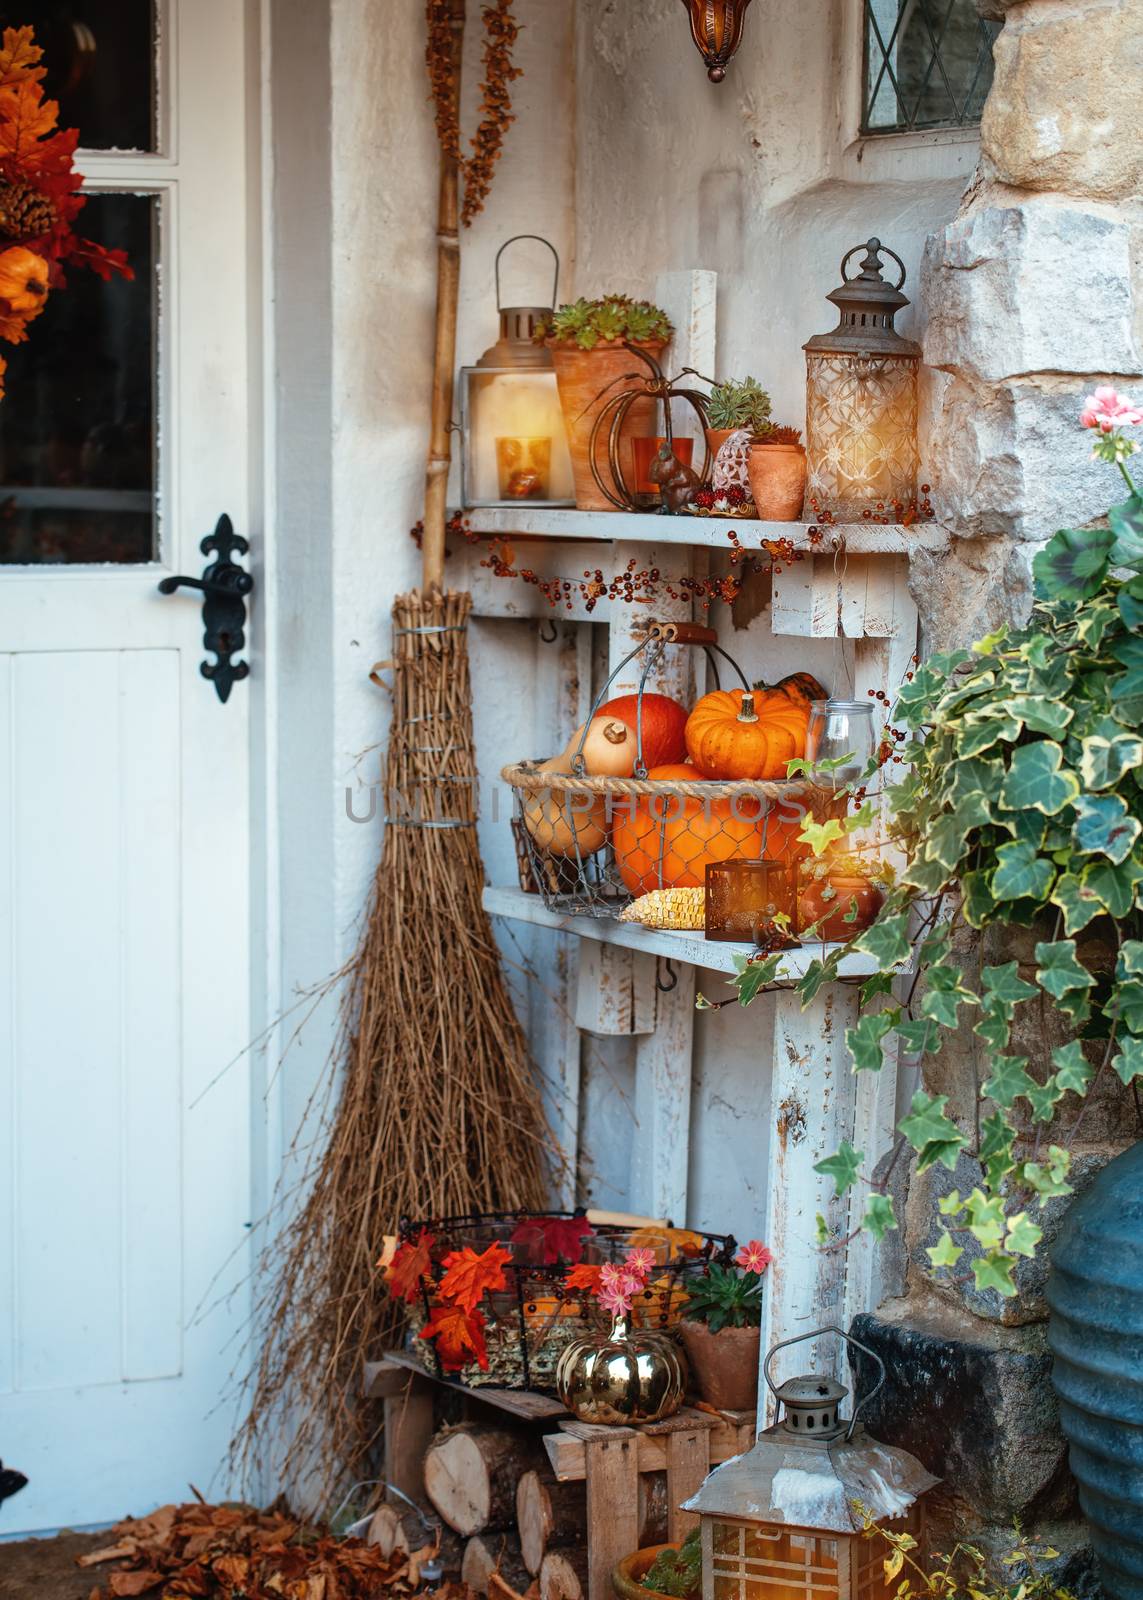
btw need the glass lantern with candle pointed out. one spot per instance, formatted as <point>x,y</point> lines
<point>839,742</point>
<point>785,1520</point>
<point>861,398</point>
<point>513,445</point>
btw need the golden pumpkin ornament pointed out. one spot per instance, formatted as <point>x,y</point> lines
<point>621,1377</point>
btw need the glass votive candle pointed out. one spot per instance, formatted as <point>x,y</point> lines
<point>839,742</point>
<point>751,902</point>
<point>524,467</point>
<point>644,452</point>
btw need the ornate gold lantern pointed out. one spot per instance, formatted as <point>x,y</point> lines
<point>513,444</point>
<point>782,1521</point>
<point>861,398</point>
<point>716,28</point>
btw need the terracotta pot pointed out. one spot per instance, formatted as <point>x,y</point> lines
<point>582,376</point>
<point>724,1364</point>
<point>832,897</point>
<point>778,480</point>
<point>627,1578</point>
<point>716,438</point>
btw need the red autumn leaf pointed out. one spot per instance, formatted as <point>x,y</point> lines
<point>584,1276</point>
<point>459,1336</point>
<point>411,1262</point>
<point>468,1277</point>
<point>560,1238</point>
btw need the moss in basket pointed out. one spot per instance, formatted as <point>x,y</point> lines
<point>739,405</point>
<point>677,1572</point>
<point>587,323</point>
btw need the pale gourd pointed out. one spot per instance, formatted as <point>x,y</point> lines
<point>563,824</point>
<point>609,748</point>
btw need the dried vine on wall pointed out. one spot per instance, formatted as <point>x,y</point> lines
<point>501,31</point>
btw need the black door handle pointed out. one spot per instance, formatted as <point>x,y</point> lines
<point>224,586</point>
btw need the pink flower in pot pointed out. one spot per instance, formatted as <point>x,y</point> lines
<point>721,1328</point>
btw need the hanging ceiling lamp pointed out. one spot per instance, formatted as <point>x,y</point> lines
<point>716,27</point>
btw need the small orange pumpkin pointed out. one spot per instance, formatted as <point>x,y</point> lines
<point>667,842</point>
<point>742,734</point>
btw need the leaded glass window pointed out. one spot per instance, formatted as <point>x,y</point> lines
<point>928,64</point>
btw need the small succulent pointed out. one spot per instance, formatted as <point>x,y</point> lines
<point>678,1572</point>
<point>587,323</point>
<point>778,433</point>
<point>739,405</point>
<point>726,1298</point>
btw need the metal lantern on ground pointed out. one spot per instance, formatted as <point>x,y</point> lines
<point>513,444</point>
<point>861,397</point>
<point>782,1521</point>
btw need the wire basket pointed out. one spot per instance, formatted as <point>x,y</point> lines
<point>590,845</point>
<point>528,1324</point>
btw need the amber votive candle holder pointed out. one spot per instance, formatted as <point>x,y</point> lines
<point>644,451</point>
<point>524,467</point>
<point>751,902</point>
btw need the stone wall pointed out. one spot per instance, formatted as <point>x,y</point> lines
<point>1032,295</point>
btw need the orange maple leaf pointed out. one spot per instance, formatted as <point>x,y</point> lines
<point>19,57</point>
<point>584,1276</point>
<point>25,118</point>
<point>468,1277</point>
<point>459,1336</point>
<point>410,1263</point>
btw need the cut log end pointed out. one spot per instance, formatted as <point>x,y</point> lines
<point>488,1555</point>
<point>471,1473</point>
<point>563,1575</point>
<point>548,1513</point>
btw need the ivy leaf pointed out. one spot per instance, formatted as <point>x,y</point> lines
<point>1102,824</point>
<point>1059,972</point>
<point>1038,781</point>
<point>843,1167</point>
<point>861,818</point>
<point>1104,759</point>
<point>993,1028</point>
<point>880,983</point>
<point>918,1035</point>
<point>994,1271</point>
<point>934,1136</point>
<point>1044,1098</point>
<point>1008,1081</point>
<point>886,940</point>
<point>946,1253</point>
<point>1040,714</point>
<point>1073,564</point>
<point>985,1219</point>
<point>945,994</point>
<point>1129,963</point>
<point>1004,989</point>
<point>865,1040</point>
<point>1114,886</point>
<point>1021,873</point>
<point>1128,1063</point>
<point>1126,521</point>
<point>984,729</point>
<point>754,976</point>
<point>977,776</point>
<point>820,835</point>
<point>878,1218</point>
<point>1023,1235</point>
<point>977,901</point>
<point>1078,904</point>
<point>821,1235</point>
<point>1130,603</point>
<point>1048,1178</point>
<point>1073,1071</point>
<point>818,974</point>
<point>986,646</point>
<point>996,1142</point>
<point>949,1205</point>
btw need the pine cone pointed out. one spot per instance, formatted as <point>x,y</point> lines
<point>25,213</point>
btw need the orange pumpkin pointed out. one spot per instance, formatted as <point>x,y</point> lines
<point>667,842</point>
<point>738,734</point>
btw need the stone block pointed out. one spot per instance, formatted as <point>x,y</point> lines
<point>974,1403</point>
<point>1032,288</point>
<point>1063,110</point>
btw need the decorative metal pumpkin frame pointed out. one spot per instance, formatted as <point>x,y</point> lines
<point>614,412</point>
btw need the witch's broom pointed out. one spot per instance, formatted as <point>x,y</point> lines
<point>438,1111</point>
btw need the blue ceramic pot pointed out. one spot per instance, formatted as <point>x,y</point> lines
<point>1096,1333</point>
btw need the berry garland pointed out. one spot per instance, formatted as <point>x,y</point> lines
<point>502,30</point>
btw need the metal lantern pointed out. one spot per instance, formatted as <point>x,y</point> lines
<point>716,28</point>
<point>861,398</point>
<point>513,444</point>
<point>781,1522</point>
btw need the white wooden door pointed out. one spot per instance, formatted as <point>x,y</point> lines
<point>124,900</point>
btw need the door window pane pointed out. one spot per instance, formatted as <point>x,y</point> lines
<point>77,421</point>
<point>100,56</point>
<point>928,64</point>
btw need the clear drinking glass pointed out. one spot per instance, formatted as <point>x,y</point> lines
<point>841,731</point>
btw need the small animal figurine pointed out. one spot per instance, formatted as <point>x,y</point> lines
<point>677,483</point>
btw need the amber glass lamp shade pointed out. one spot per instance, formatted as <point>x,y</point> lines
<point>861,398</point>
<point>751,902</point>
<point>716,28</point>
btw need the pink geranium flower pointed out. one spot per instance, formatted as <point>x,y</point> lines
<point>1107,410</point>
<point>615,1301</point>
<point>640,1261</point>
<point>754,1256</point>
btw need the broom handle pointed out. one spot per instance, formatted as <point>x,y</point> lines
<point>444,358</point>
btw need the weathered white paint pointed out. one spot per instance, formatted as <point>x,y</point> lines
<point>860,538</point>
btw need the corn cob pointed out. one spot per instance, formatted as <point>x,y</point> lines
<point>668,908</point>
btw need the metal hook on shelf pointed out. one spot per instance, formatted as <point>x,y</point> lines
<point>549,638</point>
<point>665,988</point>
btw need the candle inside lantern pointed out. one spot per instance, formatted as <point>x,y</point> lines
<point>750,901</point>
<point>524,467</point>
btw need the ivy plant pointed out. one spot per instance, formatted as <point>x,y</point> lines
<point>1022,807</point>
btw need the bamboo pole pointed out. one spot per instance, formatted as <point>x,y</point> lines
<point>444,356</point>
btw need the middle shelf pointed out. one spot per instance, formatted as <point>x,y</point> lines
<point>689,948</point>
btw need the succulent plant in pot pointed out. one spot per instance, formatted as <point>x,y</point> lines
<point>733,405</point>
<point>778,473</point>
<point>721,1329</point>
<point>588,340</point>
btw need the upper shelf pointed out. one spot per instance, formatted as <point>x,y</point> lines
<point>690,948</point>
<point>646,527</point>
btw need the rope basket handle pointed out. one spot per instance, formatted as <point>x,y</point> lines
<point>526,776</point>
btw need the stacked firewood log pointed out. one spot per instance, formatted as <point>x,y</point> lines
<point>492,1486</point>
